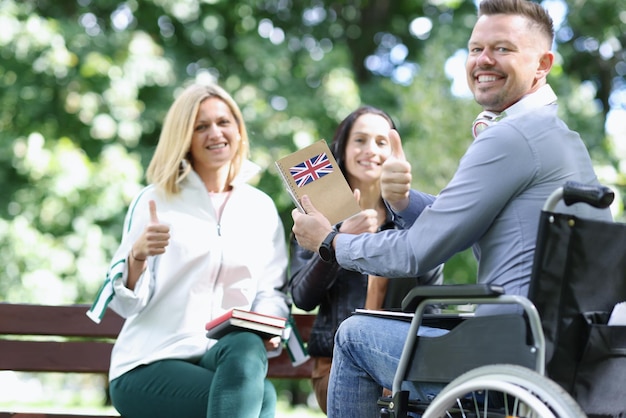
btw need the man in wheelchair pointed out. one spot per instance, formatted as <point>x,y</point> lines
<point>522,151</point>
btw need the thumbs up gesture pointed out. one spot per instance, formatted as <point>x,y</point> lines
<point>154,238</point>
<point>396,177</point>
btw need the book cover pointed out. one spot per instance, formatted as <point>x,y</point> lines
<point>237,319</point>
<point>405,316</point>
<point>314,171</point>
<point>438,320</point>
<point>250,316</point>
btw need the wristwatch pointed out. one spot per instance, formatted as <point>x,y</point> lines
<point>326,250</point>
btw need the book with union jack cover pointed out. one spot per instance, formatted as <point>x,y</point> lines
<point>313,171</point>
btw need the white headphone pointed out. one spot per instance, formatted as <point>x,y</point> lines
<point>542,97</point>
<point>484,120</point>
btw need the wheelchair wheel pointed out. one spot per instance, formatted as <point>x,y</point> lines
<point>503,390</point>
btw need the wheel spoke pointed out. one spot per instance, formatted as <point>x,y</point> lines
<point>503,391</point>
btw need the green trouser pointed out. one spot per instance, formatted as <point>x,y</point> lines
<point>228,381</point>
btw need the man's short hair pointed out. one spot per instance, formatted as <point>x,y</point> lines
<point>526,8</point>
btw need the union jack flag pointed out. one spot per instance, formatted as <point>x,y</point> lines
<point>311,169</point>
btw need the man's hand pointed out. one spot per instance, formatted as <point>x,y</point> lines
<point>310,228</point>
<point>396,177</point>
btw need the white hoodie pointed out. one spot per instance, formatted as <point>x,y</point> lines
<point>209,267</point>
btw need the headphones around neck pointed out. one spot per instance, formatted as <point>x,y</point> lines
<point>542,97</point>
<point>484,120</point>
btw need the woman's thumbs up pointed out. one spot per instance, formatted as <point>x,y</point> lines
<point>396,175</point>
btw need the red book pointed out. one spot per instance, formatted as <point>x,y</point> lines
<point>267,326</point>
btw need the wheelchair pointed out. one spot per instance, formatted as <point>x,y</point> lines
<point>512,370</point>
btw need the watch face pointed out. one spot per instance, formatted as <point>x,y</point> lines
<point>325,253</point>
<point>326,250</point>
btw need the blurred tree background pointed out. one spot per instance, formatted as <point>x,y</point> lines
<point>85,84</point>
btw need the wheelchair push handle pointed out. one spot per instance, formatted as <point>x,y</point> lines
<point>572,192</point>
<point>596,196</point>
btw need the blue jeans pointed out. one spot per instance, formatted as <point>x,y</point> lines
<point>228,381</point>
<point>366,355</point>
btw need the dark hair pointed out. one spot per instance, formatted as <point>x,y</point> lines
<point>529,9</point>
<point>340,139</point>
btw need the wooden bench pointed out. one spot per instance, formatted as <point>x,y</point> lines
<point>38,338</point>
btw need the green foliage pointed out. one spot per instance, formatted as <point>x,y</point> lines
<point>84,86</point>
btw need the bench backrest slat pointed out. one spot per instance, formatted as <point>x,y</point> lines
<point>89,347</point>
<point>54,356</point>
<point>71,320</point>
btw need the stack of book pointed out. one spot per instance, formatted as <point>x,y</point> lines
<point>266,326</point>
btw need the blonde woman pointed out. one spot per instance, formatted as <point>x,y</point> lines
<point>197,242</point>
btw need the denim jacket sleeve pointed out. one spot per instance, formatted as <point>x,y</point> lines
<point>310,277</point>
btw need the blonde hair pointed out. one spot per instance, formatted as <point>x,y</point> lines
<point>171,163</point>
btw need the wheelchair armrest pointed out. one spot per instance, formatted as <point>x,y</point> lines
<point>469,291</point>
